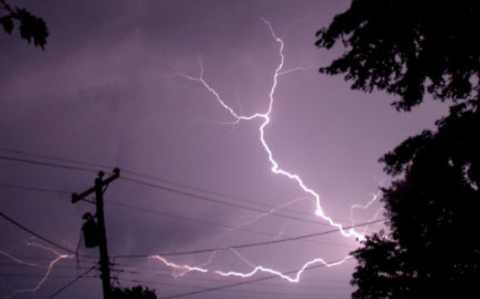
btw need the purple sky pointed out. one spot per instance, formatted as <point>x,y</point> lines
<point>106,91</point>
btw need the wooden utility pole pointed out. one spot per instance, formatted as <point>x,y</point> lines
<point>98,189</point>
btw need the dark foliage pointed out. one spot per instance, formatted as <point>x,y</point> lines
<point>31,28</point>
<point>407,47</point>
<point>434,248</point>
<point>136,292</point>
<point>381,272</point>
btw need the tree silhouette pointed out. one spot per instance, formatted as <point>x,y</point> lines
<point>434,248</point>
<point>136,292</point>
<point>410,48</point>
<point>31,27</point>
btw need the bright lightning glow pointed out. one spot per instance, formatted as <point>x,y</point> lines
<point>183,269</point>
<point>180,270</point>
<point>48,267</point>
<point>296,69</point>
<point>375,198</point>
<point>266,117</point>
<point>294,278</point>
<point>275,168</point>
<point>19,261</point>
<point>365,207</point>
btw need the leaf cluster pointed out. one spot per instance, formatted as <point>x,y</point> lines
<point>136,292</point>
<point>31,28</point>
<point>433,248</point>
<point>408,48</point>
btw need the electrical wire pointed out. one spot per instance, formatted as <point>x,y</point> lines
<point>163,214</point>
<point>167,274</point>
<point>34,162</point>
<point>35,234</point>
<point>102,166</point>
<point>168,189</point>
<point>146,176</point>
<point>71,283</point>
<point>262,292</point>
<point>177,253</point>
<point>217,225</point>
<point>22,227</point>
<point>19,187</point>
<point>209,199</point>
<point>30,276</point>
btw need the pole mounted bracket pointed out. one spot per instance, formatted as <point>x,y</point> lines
<point>116,174</point>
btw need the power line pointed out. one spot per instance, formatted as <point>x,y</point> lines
<point>141,175</point>
<point>156,186</point>
<point>41,258</point>
<point>218,225</point>
<point>179,217</point>
<point>22,227</point>
<point>316,287</point>
<point>209,199</point>
<point>237,291</point>
<point>137,208</point>
<point>132,207</point>
<point>71,283</point>
<point>249,244</point>
<point>35,234</point>
<point>29,276</point>
<point>224,195</point>
<point>34,162</point>
<point>141,271</point>
<point>188,194</point>
<point>53,158</point>
<point>155,212</point>
<point>19,187</point>
<point>18,265</point>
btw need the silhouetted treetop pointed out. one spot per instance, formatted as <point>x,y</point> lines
<point>410,48</point>
<point>407,47</point>
<point>433,250</point>
<point>136,292</point>
<point>31,27</point>
<point>454,140</point>
<point>381,271</point>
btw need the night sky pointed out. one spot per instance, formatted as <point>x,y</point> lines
<point>107,92</point>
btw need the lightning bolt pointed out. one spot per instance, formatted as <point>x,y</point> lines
<point>375,198</point>
<point>183,268</point>
<point>19,261</point>
<point>295,278</point>
<point>275,168</point>
<point>296,69</point>
<point>49,267</point>
<point>266,117</point>
<point>365,207</point>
